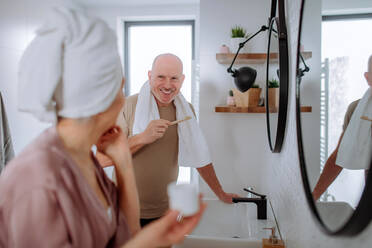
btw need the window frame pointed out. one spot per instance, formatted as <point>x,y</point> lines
<point>346,17</point>
<point>128,24</point>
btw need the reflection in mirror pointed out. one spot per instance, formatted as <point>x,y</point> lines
<point>277,80</point>
<point>273,81</point>
<point>336,81</point>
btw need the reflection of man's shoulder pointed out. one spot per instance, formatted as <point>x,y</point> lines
<point>349,113</point>
<point>352,106</point>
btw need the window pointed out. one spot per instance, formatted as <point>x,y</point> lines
<point>144,41</point>
<point>346,46</point>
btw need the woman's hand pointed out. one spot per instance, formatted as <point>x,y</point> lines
<point>166,231</point>
<point>112,147</point>
<point>103,159</point>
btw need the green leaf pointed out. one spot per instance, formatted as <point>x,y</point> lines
<point>273,83</point>
<point>238,32</point>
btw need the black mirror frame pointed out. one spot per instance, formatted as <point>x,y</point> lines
<point>283,79</point>
<point>362,215</point>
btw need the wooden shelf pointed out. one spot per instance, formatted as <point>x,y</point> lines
<point>307,109</point>
<point>230,109</point>
<point>251,58</point>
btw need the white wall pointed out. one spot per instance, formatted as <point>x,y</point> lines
<point>238,141</point>
<point>18,20</point>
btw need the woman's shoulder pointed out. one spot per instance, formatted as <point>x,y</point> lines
<point>36,166</point>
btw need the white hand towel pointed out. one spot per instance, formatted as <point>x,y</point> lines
<point>72,67</point>
<point>355,151</point>
<point>192,146</point>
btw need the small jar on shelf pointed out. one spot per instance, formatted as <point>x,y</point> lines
<point>230,101</point>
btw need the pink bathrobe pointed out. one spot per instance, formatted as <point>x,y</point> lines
<point>46,202</point>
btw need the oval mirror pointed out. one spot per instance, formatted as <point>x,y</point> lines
<point>334,108</point>
<point>277,80</point>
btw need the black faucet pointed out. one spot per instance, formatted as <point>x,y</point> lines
<point>260,201</point>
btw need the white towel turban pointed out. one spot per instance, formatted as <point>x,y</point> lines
<point>71,69</point>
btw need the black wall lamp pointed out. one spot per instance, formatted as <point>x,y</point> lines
<point>301,71</point>
<point>244,77</point>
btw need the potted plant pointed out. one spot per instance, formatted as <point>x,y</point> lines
<point>273,86</point>
<point>238,35</point>
<point>254,95</point>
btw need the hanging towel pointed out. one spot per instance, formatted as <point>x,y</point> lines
<point>72,68</point>
<point>6,147</point>
<point>192,146</point>
<point>355,151</point>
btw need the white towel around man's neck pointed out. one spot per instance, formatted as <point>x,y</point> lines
<point>192,146</point>
<point>355,151</point>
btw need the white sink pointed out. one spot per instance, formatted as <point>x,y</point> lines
<point>228,225</point>
<point>334,214</point>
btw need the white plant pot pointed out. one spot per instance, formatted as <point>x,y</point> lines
<point>234,45</point>
<point>230,101</point>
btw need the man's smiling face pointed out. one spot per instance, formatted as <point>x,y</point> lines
<point>166,78</point>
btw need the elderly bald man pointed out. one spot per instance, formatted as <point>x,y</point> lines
<point>156,149</point>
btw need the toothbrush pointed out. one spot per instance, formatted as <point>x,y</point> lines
<point>178,121</point>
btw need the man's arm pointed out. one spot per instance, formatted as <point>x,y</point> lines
<point>136,143</point>
<point>154,131</point>
<point>209,175</point>
<point>330,172</point>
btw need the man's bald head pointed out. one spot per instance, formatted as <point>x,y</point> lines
<point>167,58</point>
